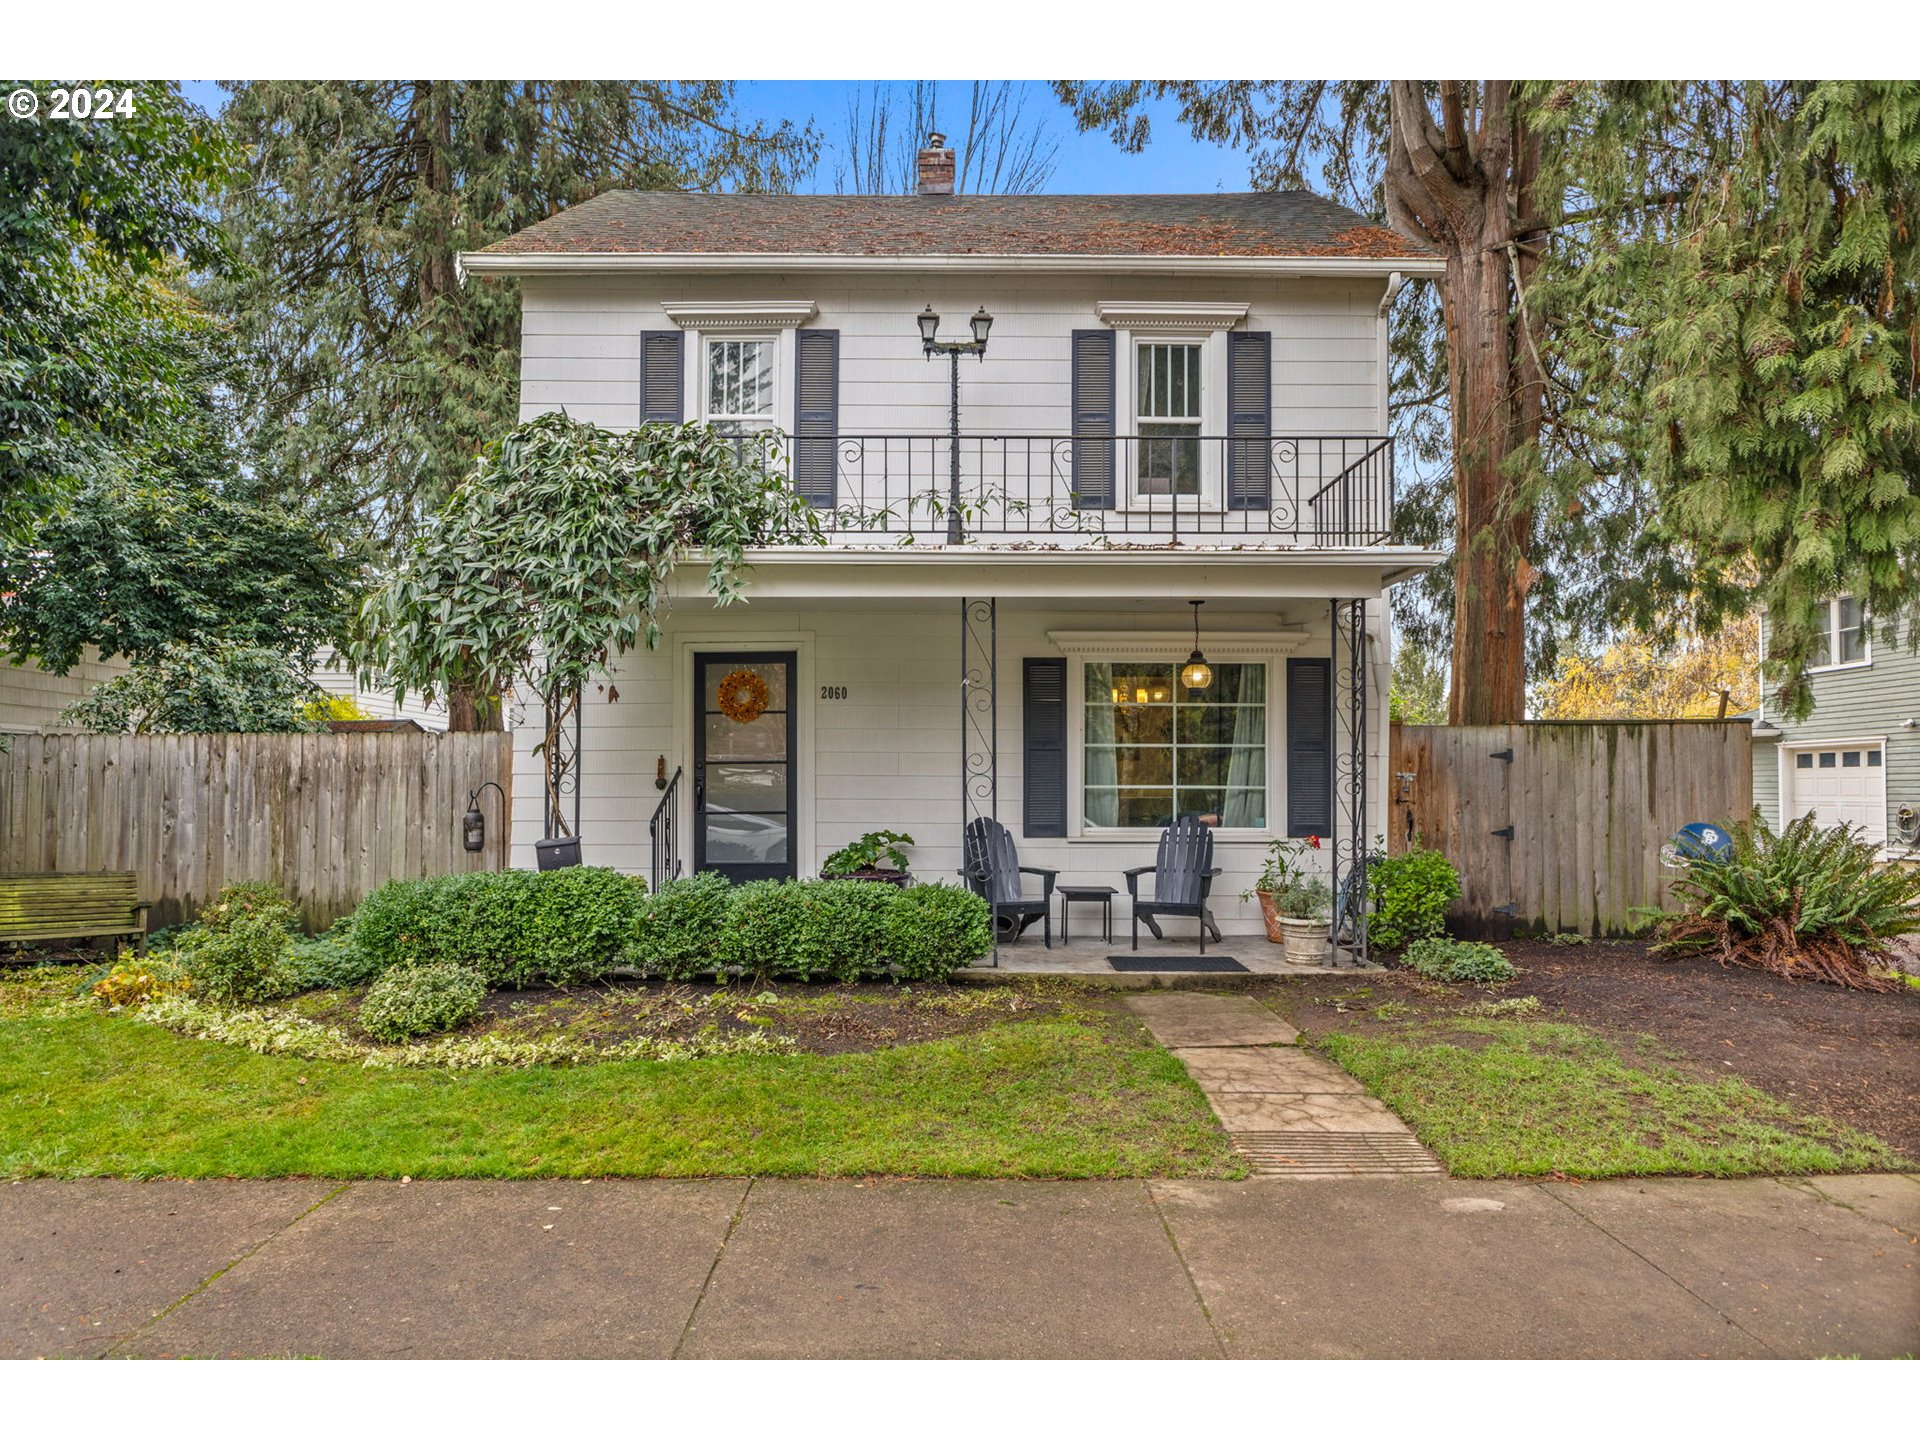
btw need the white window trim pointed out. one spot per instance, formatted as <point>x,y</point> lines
<point>1833,639</point>
<point>1213,415</point>
<point>783,359</point>
<point>1268,647</point>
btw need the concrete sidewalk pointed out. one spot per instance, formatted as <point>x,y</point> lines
<point>809,1268</point>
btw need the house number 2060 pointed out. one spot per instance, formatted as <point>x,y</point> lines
<point>833,692</point>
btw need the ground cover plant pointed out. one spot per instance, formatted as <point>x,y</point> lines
<point>1806,904</point>
<point>1459,961</point>
<point>422,1000</point>
<point>1046,1083</point>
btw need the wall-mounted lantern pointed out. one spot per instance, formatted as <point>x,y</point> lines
<point>473,825</point>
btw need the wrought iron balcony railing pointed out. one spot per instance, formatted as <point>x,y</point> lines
<point>1310,490</point>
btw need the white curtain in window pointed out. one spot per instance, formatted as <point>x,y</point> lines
<point>1103,803</point>
<point>1246,778</point>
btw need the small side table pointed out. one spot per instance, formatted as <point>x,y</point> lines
<point>1087,895</point>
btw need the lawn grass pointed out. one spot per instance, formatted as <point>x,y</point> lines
<point>1511,1097</point>
<point>88,1093</point>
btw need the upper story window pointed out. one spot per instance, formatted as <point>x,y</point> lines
<point>740,385</point>
<point>1167,416</point>
<point>1844,640</point>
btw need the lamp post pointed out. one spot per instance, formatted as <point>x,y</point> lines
<point>931,345</point>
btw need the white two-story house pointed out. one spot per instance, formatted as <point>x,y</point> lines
<point>1181,399</point>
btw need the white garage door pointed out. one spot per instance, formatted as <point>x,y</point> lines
<point>1841,784</point>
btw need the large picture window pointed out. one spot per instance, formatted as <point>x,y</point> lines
<point>1153,750</point>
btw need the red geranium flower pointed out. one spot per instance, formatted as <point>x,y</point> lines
<point>1314,841</point>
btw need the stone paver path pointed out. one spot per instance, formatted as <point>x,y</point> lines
<point>1289,1112</point>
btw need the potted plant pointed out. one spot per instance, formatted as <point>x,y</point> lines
<point>1293,903</point>
<point>861,860</point>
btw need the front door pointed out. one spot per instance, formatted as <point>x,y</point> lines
<point>743,765</point>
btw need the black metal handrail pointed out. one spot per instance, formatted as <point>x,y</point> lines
<point>1314,490</point>
<point>664,831</point>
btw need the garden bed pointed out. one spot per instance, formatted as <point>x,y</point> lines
<point>1848,1057</point>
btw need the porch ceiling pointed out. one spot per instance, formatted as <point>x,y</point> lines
<point>1151,577</point>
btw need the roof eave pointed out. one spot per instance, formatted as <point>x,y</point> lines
<point>485,262</point>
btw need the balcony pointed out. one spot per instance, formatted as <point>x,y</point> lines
<point>1313,491</point>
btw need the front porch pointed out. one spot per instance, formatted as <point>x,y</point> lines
<point>1088,957</point>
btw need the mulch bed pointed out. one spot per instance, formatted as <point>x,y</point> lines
<point>1849,1056</point>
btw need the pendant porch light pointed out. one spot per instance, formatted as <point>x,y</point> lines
<point>1196,674</point>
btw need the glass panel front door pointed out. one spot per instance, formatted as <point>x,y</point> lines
<point>743,765</point>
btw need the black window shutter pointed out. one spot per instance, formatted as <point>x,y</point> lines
<point>1309,746</point>
<point>662,376</point>
<point>1043,706</point>
<point>816,414</point>
<point>1249,419</point>
<point>1095,375</point>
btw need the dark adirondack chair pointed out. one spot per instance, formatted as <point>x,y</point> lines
<point>993,871</point>
<point>1182,877</point>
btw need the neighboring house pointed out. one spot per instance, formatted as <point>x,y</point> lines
<point>32,699</point>
<point>1183,398</point>
<point>1856,758</point>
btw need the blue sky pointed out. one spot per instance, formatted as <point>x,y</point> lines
<point>1085,164</point>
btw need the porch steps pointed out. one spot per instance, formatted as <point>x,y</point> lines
<point>1318,1155</point>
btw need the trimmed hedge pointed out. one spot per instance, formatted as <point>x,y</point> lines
<point>510,927</point>
<point>809,930</point>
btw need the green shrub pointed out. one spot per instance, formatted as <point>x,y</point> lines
<point>1808,903</point>
<point>935,930</point>
<point>678,933</point>
<point>243,960</point>
<point>512,927</point>
<point>764,934</point>
<point>421,1000</point>
<point>330,960</point>
<point>1459,961</point>
<point>251,897</point>
<point>844,935</point>
<point>1410,894</point>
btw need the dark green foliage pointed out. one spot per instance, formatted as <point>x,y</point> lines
<point>1808,903</point>
<point>177,557</point>
<point>1459,962</point>
<point>421,1000</point>
<point>245,898</point>
<point>680,928</point>
<point>809,930</point>
<point>98,221</point>
<point>935,930</point>
<point>204,687</point>
<point>512,927</point>
<point>867,852</point>
<point>1410,894</point>
<point>329,961</point>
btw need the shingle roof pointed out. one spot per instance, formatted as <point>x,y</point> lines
<point>642,222</point>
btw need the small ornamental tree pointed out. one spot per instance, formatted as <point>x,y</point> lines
<point>553,559</point>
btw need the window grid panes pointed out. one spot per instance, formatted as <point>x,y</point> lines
<point>1153,751</point>
<point>740,384</point>
<point>1167,418</point>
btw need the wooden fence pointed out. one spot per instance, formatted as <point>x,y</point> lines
<point>329,817</point>
<point>1558,826</point>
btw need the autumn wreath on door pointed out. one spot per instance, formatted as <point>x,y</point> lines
<point>742,696</point>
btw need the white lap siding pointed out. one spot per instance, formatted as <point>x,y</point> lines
<point>888,755</point>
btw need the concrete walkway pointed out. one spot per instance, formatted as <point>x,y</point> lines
<point>1291,1113</point>
<point>799,1268</point>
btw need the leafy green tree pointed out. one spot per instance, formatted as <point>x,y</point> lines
<point>1735,280</point>
<point>207,686</point>
<point>1417,690</point>
<point>99,345</point>
<point>553,559</point>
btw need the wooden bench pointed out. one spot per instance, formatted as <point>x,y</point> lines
<point>71,907</point>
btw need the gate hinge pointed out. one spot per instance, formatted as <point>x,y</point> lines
<point>1506,755</point>
<point>1505,832</point>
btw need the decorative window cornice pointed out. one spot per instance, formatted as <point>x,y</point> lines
<point>1176,644</point>
<point>1170,314</point>
<point>739,315</point>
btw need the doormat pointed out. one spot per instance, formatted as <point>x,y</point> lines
<point>1184,964</point>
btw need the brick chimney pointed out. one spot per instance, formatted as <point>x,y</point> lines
<point>936,166</point>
